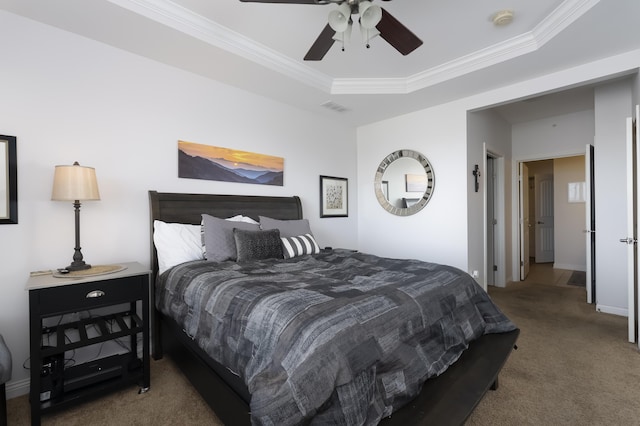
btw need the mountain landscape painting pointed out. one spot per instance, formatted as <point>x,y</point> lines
<point>197,161</point>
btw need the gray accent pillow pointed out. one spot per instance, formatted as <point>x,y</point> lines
<point>287,228</point>
<point>217,237</point>
<point>256,245</point>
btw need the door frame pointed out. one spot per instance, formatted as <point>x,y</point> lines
<point>633,223</point>
<point>515,202</point>
<point>499,246</point>
<point>590,224</point>
<point>524,226</point>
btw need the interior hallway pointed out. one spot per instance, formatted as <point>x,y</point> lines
<point>546,274</point>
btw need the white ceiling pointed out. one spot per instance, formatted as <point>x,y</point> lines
<point>259,46</point>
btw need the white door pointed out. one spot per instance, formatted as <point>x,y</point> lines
<point>633,186</point>
<point>544,218</point>
<point>591,225</point>
<point>525,221</point>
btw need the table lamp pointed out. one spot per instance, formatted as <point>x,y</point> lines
<point>75,183</point>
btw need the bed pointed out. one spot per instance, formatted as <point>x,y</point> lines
<point>448,396</point>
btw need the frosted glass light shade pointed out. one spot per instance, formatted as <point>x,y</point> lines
<point>76,182</point>
<point>344,36</point>
<point>339,18</point>
<point>370,15</point>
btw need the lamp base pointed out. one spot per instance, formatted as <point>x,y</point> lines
<point>78,266</point>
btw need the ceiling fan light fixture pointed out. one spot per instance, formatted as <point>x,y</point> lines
<point>340,17</point>
<point>370,15</point>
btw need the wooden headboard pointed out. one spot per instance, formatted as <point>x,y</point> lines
<point>188,208</point>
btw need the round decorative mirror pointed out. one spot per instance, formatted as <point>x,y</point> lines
<point>404,182</point>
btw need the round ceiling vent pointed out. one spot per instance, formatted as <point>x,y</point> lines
<point>503,17</point>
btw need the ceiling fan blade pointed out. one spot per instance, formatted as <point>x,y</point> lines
<point>397,35</point>
<point>322,45</point>
<point>285,1</point>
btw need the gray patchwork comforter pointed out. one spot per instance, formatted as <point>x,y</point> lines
<point>334,338</point>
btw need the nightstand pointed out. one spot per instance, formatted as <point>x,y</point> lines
<point>70,315</point>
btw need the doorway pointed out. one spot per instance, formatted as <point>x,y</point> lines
<point>541,211</point>
<point>553,226</point>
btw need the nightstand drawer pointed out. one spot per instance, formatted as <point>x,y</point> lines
<point>89,295</point>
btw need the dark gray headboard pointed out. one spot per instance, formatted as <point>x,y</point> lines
<point>188,208</point>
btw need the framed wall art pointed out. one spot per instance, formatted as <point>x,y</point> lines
<point>198,161</point>
<point>334,196</point>
<point>8,180</point>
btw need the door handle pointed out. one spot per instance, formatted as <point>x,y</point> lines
<point>590,231</point>
<point>628,240</point>
<point>540,223</point>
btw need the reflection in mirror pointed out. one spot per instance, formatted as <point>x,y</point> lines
<point>404,182</point>
<point>400,175</point>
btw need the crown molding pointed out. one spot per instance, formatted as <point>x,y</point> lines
<point>181,19</point>
<point>563,16</point>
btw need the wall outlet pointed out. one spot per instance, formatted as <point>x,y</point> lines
<point>475,274</point>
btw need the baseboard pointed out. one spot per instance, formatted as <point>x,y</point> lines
<point>612,310</point>
<point>570,267</point>
<point>17,388</point>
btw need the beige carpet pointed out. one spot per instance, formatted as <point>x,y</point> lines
<point>170,401</point>
<point>573,366</point>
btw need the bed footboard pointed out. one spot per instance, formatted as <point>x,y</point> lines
<point>450,398</point>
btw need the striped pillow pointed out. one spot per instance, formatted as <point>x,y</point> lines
<point>297,246</point>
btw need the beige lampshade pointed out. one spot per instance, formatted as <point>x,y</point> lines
<point>75,182</point>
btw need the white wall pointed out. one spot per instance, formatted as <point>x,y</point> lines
<point>613,105</point>
<point>636,89</point>
<point>67,99</point>
<point>570,246</point>
<point>441,232</point>
<point>438,233</point>
<point>553,137</point>
<point>488,128</point>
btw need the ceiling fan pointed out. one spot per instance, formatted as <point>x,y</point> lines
<point>373,21</point>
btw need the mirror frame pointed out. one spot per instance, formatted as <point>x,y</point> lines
<point>9,169</point>
<point>422,202</point>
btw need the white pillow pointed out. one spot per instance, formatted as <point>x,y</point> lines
<point>241,218</point>
<point>176,243</point>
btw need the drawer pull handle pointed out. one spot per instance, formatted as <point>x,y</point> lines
<point>95,293</point>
